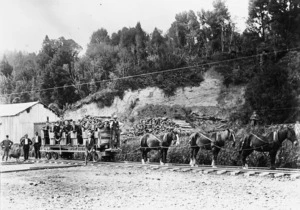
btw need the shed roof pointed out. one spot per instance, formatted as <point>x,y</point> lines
<point>14,109</point>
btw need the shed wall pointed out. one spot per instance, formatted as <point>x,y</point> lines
<point>19,125</point>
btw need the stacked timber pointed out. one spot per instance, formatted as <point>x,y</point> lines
<point>160,125</point>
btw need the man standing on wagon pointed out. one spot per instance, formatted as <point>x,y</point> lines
<point>115,132</point>
<point>46,129</point>
<point>67,129</point>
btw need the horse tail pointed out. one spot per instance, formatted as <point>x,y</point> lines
<point>193,137</point>
<point>143,141</point>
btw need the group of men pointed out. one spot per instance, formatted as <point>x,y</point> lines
<point>85,125</point>
<point>112,127</point>
<point>25,142</point>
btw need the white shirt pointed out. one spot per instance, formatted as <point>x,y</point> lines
<point>36,139</point>
<point>26,141</point>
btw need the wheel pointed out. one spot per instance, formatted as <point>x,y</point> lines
<point>48,155</point>
<point>96,156</point>
<point>55,155</point>
<point>111,158</point>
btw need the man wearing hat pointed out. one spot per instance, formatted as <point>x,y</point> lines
<point>90,146</point>
<point>46,129</point>
<point>115,132</point>
<point>26,142</point>
<point>254,119</point>
<point>77,129</point>
<point>37,145</point>
<point>56,130</point>
<point>67,129</point>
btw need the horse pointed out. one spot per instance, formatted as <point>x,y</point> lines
<point>214,142</point>
<point>151,142</point>
<point>270,143</point>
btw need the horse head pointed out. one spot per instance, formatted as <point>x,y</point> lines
<point>175,136</point>
<point>231,136</point>
<point>291,135</point>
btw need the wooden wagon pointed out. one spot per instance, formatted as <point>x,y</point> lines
<point>56,149</point>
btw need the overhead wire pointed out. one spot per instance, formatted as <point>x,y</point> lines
<point>150,73</point>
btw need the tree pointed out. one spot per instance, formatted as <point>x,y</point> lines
<point>276,21</point>
<point>58,77</point>
<point>276,94</point>
<point>115,38</point>
<point>100,36</point>
<point>5,68</point>
<point>259,17</point>
<point>216,25</point>
<point>140,42</point>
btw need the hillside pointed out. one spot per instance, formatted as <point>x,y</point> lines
<point>211,97</point>
<point>201,65</point>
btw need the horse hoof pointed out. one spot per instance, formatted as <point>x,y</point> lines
<point>214,166</point>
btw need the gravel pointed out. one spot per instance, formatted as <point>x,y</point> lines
<point>106,187</point>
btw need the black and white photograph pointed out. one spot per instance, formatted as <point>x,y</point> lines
<point>150,104</point>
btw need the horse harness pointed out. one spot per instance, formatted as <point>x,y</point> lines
<point>213,143</point>
<point>274,139</point>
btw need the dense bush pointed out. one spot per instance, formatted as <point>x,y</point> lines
<point>272,93</point>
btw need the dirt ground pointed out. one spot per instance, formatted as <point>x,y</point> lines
<point>106,187</point>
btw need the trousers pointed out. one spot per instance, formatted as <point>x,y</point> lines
<point>37,152</point>
<point>6,151</point>
<point>26,151</point>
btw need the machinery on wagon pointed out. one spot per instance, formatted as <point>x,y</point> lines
<point>72,142</point>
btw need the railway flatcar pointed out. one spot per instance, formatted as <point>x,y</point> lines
<point>60,149</point>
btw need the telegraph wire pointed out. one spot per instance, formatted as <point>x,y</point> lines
<point>150,73</point>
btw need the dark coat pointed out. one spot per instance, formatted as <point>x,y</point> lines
<point>23,142</point>
<point>39,139</point>
<point>90,144</point>
<point>56,129</point>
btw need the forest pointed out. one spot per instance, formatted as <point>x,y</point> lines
<point>265,57</point>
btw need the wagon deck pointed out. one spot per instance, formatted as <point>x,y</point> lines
<point>55,149</point>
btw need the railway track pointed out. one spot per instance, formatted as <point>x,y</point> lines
<point>202,169</point>
<point>206,169</point>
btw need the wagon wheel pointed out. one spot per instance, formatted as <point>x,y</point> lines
<point>112,158</point>
<point>48,155</point>
<point>96,156</point>
<point>55,155</point>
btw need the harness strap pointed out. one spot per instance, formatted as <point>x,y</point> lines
<point>156,137</point>
<point>206,137</point>
<point>275,136</point>
<point>259,138</point>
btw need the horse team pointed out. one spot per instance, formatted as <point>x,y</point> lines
<point>215,142</point>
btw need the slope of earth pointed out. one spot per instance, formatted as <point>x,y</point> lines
<point>210,93</point>
<point>104,187</point>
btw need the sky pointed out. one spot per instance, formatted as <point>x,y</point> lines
<point>25,23</point>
